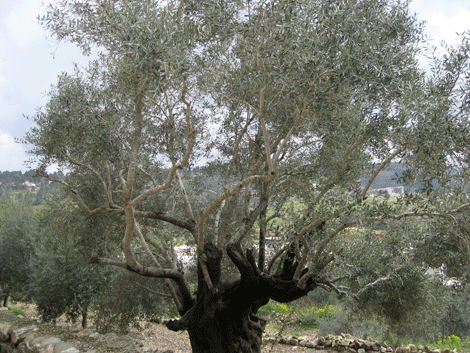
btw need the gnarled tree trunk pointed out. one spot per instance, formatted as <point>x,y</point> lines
<point>224,320</point>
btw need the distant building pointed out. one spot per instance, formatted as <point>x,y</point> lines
<point>396,191</point>
<point>29,184</point>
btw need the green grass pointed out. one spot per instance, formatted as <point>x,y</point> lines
<point>16,310</point>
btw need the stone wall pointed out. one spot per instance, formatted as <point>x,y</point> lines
<point>349,344</point>
<point>25,340</point>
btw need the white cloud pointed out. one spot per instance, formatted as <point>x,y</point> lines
<point>21,23</point>
<point>12,154</point>
<point>442,26</point>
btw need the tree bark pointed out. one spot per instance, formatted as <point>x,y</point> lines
<point>224,320</point>
<point>85,318</point>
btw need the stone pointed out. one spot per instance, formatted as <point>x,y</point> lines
<point>361,350</point>
<point>110,336</point>
<point>36,341</point>
<point>118,344</point>
<point>17,335</point>
<point>368,346</point>
<point>46,342</point>
<point>403,350</point>
<point>6,347</point>
<point>29,337</point>
<point>4,335</point>
<point>294,341</point>
<point>75,328</point>
<point>71,350</point>
<point>47,349</point>
<point>62,347</point>
<point>3,308</point>
<point>375,346</point>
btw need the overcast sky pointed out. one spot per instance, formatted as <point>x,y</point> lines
<point>30,62</point>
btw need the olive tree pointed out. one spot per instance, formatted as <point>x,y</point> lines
<point>17,229</point>
<point>63,282</point>
<point>287,106</point>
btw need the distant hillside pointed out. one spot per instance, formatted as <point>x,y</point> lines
<point>391,176</point>
<point>24,187</point>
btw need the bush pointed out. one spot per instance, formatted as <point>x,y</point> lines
<point>311,316</point>
<point>118,306</point>
<point>456,320</point>
<point>343,320</point>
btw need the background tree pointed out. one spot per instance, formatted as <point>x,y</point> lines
<point>289,104</point>
<point>17,229</point>
<point>63,282</point>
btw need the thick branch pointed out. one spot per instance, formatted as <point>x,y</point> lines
<point>248,222</point>
<point>184,195</point>
<point>190,226</point>
<point>263,127</point>
<point>276,256</point>
<point>136,141</point>
<point>184,161</point>
<point>127,240</point>
<point>359,294</point>
<point>233,191</point>
<point>152,291</point>
<point>175,275</point>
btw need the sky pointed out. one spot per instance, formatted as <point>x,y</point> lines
<point>30,62</point>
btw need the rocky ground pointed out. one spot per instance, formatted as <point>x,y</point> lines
<point>282,335</point>
<point>150,337</point>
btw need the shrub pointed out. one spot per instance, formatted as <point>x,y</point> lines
<point>452,342</point>
<point>343,320</point>
<point>311,316</point>
<point>275,308</point>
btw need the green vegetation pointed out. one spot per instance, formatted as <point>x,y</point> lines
<point>453,342</point>
<point>310,316</point>
<point>17,310</point>
<point>275,308</point>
